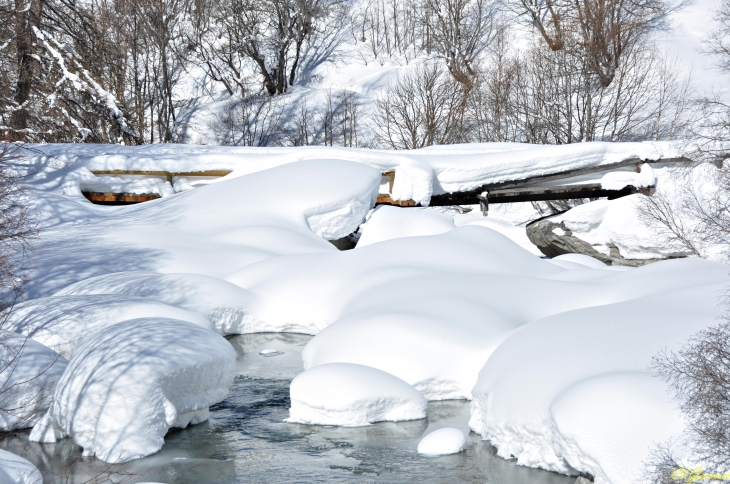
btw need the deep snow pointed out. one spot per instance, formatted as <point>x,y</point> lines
<point>352,396</point>
<point>451,309</point>
<point>129,383</point>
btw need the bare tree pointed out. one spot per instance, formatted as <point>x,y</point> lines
<point>22,396</point>
<point>272,34</point>
<point>253,121</point>
<point>460,31</point>
<point>605,30</point>
<point>422,107</point>
<point>699,377</point>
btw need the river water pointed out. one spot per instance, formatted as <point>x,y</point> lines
<point>246,440</point>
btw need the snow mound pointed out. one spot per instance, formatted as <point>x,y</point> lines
<point>585,418</point>
<point>388,222</point>
<point>212,230</point>
<point>581,259</point>
<point>29,374</point>
<point>444,441</point>
<point>16,470</point>
<point>129,383</point>
<point>516,234</point>
<point>569,391</point>
<point>351,396</point>
<point>61,322</point>
<point>226,305</point>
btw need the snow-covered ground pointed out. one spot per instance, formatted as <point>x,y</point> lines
<point>554,354</point>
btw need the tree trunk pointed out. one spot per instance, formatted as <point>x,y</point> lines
<point>25,20</point>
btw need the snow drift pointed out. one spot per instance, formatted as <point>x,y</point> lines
<point>226,305</point>
<point>129,383</point>
<point>61,322</point>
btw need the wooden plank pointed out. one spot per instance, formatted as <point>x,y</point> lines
<point>536,194</point>
<point>471,196</point>
<point>110,198</point>
<point>217,173</point>
<point>632,162</point>
<point>384,199</point>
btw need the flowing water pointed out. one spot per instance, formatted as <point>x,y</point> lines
<point>247,440</point>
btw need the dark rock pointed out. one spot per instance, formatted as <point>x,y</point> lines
<point>345,243</point>
<point>551,244</point>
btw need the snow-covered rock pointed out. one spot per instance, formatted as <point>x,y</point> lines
<point>16,470</point>
<point>129,383</point>
<point>352,395</point>
<point>29,374</point>
<point>443,441</point>
<point>61,322</point>
<point>226,305</point>
<point>388,222</point>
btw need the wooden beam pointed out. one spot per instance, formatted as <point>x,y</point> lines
<point>110,198</point>
<point>384,199</point>
<point>217,173</point>
<point>471,196</point>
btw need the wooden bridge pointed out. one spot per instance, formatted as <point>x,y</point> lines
<point>559,185</point>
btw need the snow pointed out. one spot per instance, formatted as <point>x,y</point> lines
<point>268,352</point>
<point>616,180</point>
<point>617,222</point>
<point>585,418</point>
<point>16,470</point>
<point>570,391</point>
<point>226,305</point>
<point>553,353</point>
<point>211,230</point>
<point>29,373</point>
<point>129,383</point>
<point>445,441</point>
<point>388,222</point>
<point>419,174</point>
<point>61,322</point>
<point>581,259</point>
<point>352,395</point>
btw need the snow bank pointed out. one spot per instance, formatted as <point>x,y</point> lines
<point>351,396</point>
<point>129,383</point>
<point>444,441</point>
<point>61,322</point>
<point>570,391</point>
<point>16,470</point>
<point>212,230</point>
<point>226,305</point>
<point>29,374</point>
<point>388,222</point>
<point>605,425</point>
